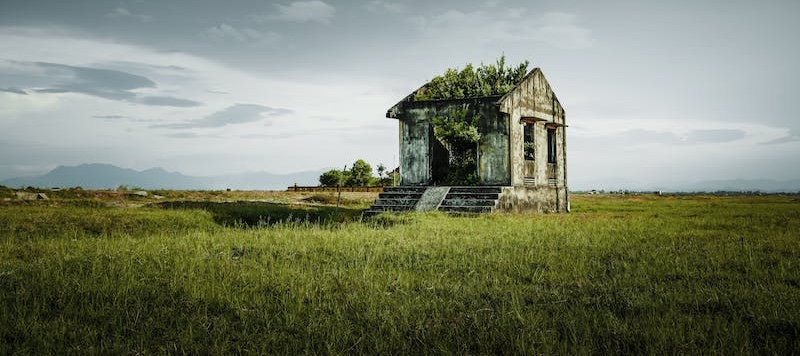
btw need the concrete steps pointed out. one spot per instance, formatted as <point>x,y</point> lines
<point>458,200</point>
<point>396,200</point>
<point>475,200</point>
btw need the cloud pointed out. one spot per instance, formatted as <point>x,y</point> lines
<point>235,114</point>
<point>483,26</point>
<point>714,136</point>
<point>14,91</point>
<point>104,83</point>
<point>792,136</point>
<point>561,30</point>
<point>386,6</point>
<point>121,12</point>
<point>110,117</point>
<point>636,137</point>
<point>306,11</point>
<point>132,142</point>
<point>167,101</point>
<point>182,135</point>
<point>55,78</point>
<point>225,32</point>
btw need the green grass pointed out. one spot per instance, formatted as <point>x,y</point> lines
<point>619,275</point>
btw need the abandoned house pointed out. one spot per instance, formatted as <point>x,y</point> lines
<point>518,159</point>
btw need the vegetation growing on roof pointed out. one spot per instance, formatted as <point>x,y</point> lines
<point>486,80</point>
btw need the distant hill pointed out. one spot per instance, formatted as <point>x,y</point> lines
<point>731,185</point>
<point>107,176</point>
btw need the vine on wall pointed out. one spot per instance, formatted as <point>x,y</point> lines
<point>458,131</point>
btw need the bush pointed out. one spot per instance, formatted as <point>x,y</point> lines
<point>488,79</point>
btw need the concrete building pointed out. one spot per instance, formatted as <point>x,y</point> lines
<point>520,156</point>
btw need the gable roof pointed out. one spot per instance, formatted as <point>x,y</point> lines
<point>397,108</point>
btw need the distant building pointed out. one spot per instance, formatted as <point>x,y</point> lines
<point>521,155</point>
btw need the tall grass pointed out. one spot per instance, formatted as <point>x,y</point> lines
<point>640,275</point>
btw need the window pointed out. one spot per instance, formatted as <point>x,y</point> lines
<point>529,142</point>
<point>551,145</point>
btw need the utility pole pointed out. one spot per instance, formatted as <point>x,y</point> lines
<point>339,190</point>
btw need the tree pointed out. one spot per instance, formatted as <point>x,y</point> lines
<point>381,168</point>
<point>331,178</point>
<point>360,174</point>
<point>488,79</point>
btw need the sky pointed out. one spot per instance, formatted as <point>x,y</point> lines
<point>654,91</point>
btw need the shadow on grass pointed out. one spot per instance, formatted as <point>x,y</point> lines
<point>260,214</point>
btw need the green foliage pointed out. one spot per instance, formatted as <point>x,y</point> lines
<point>261,214</point>
<point>635,275</point>
<point>458,128</point>
<point>488,79</point>
<point>6,193</point>
<point>529,150</point>
<point>459,132</point>
<point>360,174</point>
<point>333,178</point>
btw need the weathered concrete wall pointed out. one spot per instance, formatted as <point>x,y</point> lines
<point>540,198</point>
<point>494,166</point>
<point>534,98</point>
<point>414,148</point>
<point>424,160</point>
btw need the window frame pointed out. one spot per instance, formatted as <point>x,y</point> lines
<point>552,145</point>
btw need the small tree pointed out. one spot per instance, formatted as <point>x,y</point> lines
<point>360,174</point>
<point>331,178</point>
<point>381,168</point>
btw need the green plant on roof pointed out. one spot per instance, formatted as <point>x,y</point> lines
<point>486,80</point>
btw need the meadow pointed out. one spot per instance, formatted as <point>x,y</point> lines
<point>283,273</point>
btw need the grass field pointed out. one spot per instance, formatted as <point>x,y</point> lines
<point>291,274</point>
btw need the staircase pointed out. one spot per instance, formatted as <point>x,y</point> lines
<point>476,200</point>
<point>396,200</point>
<point>458,200</point>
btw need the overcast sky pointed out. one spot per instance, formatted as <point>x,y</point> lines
<point>654,91</point>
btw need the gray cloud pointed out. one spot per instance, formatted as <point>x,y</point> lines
<point>110,117</point>
<point>104,83</point>
<point>226,32</point>
<point>235,114</point>
<point>694,137</point>
<point>306,11</point>
<point>167,101</point>
<point>182,135</point>
<point>793,136</point>
<point>557,29</point>
<point>378,6</point>
<point>121,12</point>
<point>714,136</point>
<point>54,78</point>
<point>14,90</point>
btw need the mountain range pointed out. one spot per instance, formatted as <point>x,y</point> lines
<point>107,176</point>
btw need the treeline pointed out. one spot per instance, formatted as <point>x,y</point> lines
<point>360,174</point>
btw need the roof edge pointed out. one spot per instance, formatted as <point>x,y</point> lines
<point>534,70</point>
<point>516,86</point>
